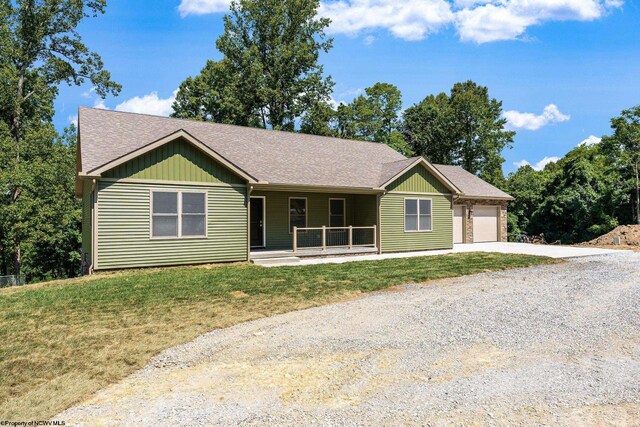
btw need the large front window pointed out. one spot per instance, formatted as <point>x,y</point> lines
<point>417,215</point>
<point>297,213</point>
<point>177,214</point>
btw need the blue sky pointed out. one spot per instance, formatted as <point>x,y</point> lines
<point>562,68</point>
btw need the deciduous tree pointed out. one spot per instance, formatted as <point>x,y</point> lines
<point>270,75</point>
<point>40,49</point>
<point>623,148</point>
<point>464,128</point>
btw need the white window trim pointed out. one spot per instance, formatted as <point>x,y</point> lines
<point>344,211</point>
<point>306,212</point>
<point>404,214</point>
<point>179,215</point>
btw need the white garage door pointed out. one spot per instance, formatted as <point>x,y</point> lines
<point>485,224</point>
<point>458,224</point>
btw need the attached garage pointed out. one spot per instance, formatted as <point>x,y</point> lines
<point>479,211</point>
<point>485,224</point>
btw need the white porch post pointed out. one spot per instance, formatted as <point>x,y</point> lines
<point>375,236</point>
<point>295,239</point>
<point>324,237</point>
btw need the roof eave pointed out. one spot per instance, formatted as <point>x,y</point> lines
<point>475,197</point>
<point>273,186</point>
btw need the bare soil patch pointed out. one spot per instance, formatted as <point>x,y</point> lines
<point>629,236</point>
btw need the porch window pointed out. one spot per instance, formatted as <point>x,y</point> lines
<point>297,212</point>
<point>417,215</point>
<point>336,213</point>
<point>177,214</point>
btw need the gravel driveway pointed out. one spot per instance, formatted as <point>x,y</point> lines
<point>555,345</point>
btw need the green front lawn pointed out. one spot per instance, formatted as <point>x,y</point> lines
<point>62,341</point>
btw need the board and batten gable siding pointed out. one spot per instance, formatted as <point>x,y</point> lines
<point>418,182</point>
<point>175,161</point>
<point>124,221</point>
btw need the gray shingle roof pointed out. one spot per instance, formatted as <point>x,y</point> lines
<point>275,157</point>
<point>470,184</point>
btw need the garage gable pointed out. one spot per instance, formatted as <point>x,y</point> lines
<point>418,180</point>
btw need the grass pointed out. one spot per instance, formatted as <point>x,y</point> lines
<point>63,340</point>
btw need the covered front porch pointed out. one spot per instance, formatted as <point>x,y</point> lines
<point>311,224</point>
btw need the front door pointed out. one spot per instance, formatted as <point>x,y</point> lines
<point>257,222</point>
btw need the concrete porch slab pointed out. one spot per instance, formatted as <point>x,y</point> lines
<point>497,247</point>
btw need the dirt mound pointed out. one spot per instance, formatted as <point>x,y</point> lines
<point>628,234</point>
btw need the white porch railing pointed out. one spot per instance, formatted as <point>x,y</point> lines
<point>334,237</point>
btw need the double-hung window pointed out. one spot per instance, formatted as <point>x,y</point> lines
<point>297,213</point>
<point>417,215</point>
<point>178,214</point>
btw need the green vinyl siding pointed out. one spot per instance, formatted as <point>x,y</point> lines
<point>360,211</point>
<point>124,228</point>
<point>418,180</point>
<point>416,183</point>
<point>175,161</point>
<point>395,239</point>
<point>86,219</point>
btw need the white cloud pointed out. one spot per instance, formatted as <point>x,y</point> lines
<point>202,7</point>
<point>530,121</point>
<point>493,20</point>
<point>99,103</point>
<point>538,166</point>
<point>479,21</point>
<point>405,19</point>
<point>149,104</point>
<point>368,40</point>
<point>73,120</point>
<point>592,140</point>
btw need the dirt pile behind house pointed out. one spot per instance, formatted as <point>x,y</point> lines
<point>629,236</point>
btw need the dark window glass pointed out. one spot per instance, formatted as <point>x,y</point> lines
<point>165,226</point>
<point>165,202</point>
<point>193,203</point>
<point>297,213</point>
<point>336,213</point>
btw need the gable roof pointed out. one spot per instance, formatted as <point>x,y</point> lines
<point>268,156</point>
<point>108,138</point>
<point>470,185</point>
<point>391,172</point>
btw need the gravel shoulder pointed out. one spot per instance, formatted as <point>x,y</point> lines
<point>556,344</point>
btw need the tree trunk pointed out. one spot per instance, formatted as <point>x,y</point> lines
<point>15,191</point>
<point>637,193</point>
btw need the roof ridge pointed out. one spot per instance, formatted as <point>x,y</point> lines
<point>305,135</point>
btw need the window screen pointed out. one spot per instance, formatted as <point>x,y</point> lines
<point>297,213</point>
<point>165,214</point>
<point>417,215</point>
<point>178,214</point>
<point>193,214</point>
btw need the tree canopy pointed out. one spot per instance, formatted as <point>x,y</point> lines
<point>464,128</point>
<point>623,150</point>
<point>40,49</point>
<point>270,74</point>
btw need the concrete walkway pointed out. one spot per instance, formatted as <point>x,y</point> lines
<point>497,247</point>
